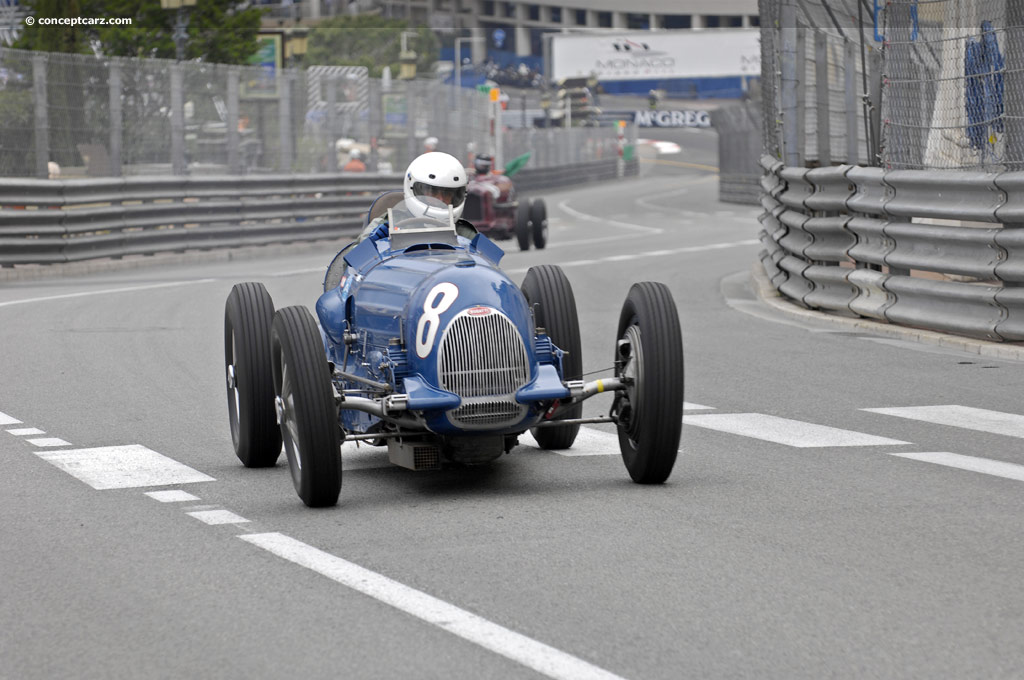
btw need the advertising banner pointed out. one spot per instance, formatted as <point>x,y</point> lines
<point>647,55</point>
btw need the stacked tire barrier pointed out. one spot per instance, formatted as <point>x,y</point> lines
<point>842,239</point>
<point>57,221</point>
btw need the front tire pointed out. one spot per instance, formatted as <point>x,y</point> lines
<point>248,315</point>
<point>548,291</point>
<point>649,350</point>
<point>306,407</point>
<point>539,223</point>
<point>523,225</point>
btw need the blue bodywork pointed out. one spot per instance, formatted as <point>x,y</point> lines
<point>373,327</point>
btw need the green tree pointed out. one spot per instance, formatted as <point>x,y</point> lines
<point>371,41</point>
<point>219,31</point>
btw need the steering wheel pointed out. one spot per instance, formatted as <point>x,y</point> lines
<point>414,221</point>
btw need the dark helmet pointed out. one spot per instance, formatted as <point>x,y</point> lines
<point>482,164</point>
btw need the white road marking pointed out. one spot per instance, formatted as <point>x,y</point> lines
<point>217,517</point>
<point>25,431</point>
<point>564,205</point>
<point>785,431</point>
<point>123,467</point>
<point>589,442</point>
<point>655,253</point>
<point>172,496</point>
<point>986,466</point>
<point>690,406</point>
<point>535,655</point>
<point>978,419</point>
<point>129,289</point>
<point>48,441</point>
<point>8,420</point>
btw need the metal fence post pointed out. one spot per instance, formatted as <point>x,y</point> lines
<point>332,122</point>
<point>231,123</point>
<point>850,83</point>
<point>821,79</point>
<point>284,119</point>
<point>376,126</point>
<point>790,87</point>
<point>42,120</point>
<point>875,73</point>
<point>1013,97</point>
<point>116,118</point>
<point>177,120</point>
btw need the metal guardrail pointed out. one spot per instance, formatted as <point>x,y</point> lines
<point>54,221</point>
<point>935,249</point>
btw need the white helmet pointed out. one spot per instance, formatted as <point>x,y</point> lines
<point>435,175</point>
<point>430,143</point>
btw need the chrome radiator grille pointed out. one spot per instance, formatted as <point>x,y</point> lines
<point>483,360</point>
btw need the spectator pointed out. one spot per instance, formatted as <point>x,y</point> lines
<point>355,162</point>
<point>429,144</point>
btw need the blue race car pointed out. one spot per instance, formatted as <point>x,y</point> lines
<point>425,345</point>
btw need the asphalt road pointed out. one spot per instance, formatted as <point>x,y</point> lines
<point>800,535</point>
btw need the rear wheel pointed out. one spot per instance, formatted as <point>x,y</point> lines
<point>306,408</point>
<point>549,293</point>
<point>523,225</point>
<point>649,354</point>
<point>255,435</point>
<point>539,222</point>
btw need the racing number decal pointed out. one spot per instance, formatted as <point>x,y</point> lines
<point>439,299</point>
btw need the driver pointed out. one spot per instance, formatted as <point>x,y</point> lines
<point>483,164</point>
<point>435,175</point>
<point>431,178</point>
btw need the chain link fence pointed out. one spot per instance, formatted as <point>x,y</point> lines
<point>73,115</point>
<point>905,84</point>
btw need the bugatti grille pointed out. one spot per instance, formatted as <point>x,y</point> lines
<point>484,361</point>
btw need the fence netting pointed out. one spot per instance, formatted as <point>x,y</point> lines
<point>73,115</point>
<point>904,84</point>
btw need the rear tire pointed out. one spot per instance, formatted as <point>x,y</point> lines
<point>306,406</point>
<point>539,223</point>
<point>548,291</point>
<point>523,225</point>
<point>649,350</point>
<point>248,315</point>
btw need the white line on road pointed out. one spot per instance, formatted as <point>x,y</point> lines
<point>589,442</point>
<point>123,467</point>
<point>690,406</point>
<point>564,205</point>
<point>8,420</point>
<point>978,419</point>
<point>214,517</point>
<point>986,466</point>
<point>48,441</point>
<point>172,496</point>
<point>654,253</point>
<point>524,650</point>
<point>25,431</point>
<point>785,431</point>
<point>106,291</point>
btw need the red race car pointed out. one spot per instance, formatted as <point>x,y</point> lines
<point>494,208</point>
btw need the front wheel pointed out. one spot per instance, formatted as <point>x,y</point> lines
<point>523,225</point>
<point>649,355</point>
<point>306,408</point>
<point>539,223</point>
<point>255,435</point>
<point>547,290</point>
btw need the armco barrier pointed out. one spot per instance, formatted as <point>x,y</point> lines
<point>935,249</point>
<point>54,221</point>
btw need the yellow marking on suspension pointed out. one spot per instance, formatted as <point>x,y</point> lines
<point>600,386</point>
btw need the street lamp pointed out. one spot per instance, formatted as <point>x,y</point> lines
<point>180,35</point>
<point>457,82</point>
